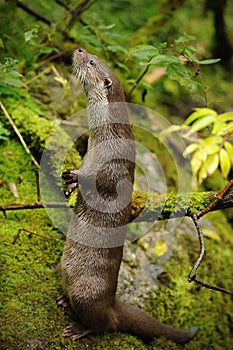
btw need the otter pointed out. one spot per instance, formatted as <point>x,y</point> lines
<point>94,246</point>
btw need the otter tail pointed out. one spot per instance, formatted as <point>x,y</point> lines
<point>136,321</point>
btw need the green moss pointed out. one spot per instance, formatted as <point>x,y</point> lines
<point>163,207</point>
<point>186,305</point>
<point>30,282</point>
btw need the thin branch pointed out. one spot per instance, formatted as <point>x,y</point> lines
<point>211,286</point>
<point>38,186</point>
<point>80,9</point>
<point>219,197</point>
<point>59,2</point>
<point>18,134</point>
<point>192,274</point>
<point>32,233</point>
<point>55,56</point>
<point>138,80</point>
<point>195,218</point>
<point>36,205</point>
<point>147,208</point>
<point>33,12</point>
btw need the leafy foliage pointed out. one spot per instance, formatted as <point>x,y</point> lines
<point>176,58</point>
<point>210,142</point>
<point>4,133</point>
<point>10,79</point>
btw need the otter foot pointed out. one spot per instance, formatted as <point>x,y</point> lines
<point>75,331</point>
<point>62,302</point>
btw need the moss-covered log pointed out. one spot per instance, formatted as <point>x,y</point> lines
<point>152,206</point>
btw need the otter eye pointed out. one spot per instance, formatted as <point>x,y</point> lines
<point>80,50</point>
<point>92,62</point>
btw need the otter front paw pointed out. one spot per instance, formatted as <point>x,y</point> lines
<point>70,178</point>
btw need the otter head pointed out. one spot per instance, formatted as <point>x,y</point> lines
<point>99,81</point>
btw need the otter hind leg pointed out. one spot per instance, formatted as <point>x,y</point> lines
<point>75,331</point>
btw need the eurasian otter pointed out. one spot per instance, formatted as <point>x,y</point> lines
<point>94,246</point>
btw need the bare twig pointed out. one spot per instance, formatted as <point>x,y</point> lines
<point>32,233</point>
<point>219,197</point>
<point>56,56</point>
<point>38,186</point>
<point>33,12</point>
<point>192,273</point>
<point>195,218</point>
<point>146,208</point>
<point>59,2</point>
<point>18,134</point>
<point>210,286</point>
<point>77,13</point>
<point>36,205</point>
<point>138,80</point>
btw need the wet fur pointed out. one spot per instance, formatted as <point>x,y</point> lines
<point>94,246</point>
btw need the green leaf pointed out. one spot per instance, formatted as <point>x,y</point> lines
<point>117,48</point>
<point>13,78</point>
<point>201,124</point>
<point>29,34</point>
<point>225,163</point>
<point>187,53</point>
<point>229,148</point>
<point>164,60</point>
<point>177,71</point>
<point>184,39</point>
<point>199,113</point>
<point>210,61</point>
<point>144,52</point>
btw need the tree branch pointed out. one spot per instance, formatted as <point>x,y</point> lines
<point>152,206</point>
<point>33,12</point>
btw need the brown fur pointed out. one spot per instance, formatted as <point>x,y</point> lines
<point>94,245</point>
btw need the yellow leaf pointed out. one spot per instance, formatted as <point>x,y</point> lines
<point>225,117</point>
<point>190,149</point>
<point>229,148</point>
<point>199,113</point>
<point>218,127</point>
<point>196,162</point>
<point>225,163</point>
<point>208,167</point>
<point>160,247</point>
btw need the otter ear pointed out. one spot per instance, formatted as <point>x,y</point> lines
<point>107,83</point>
